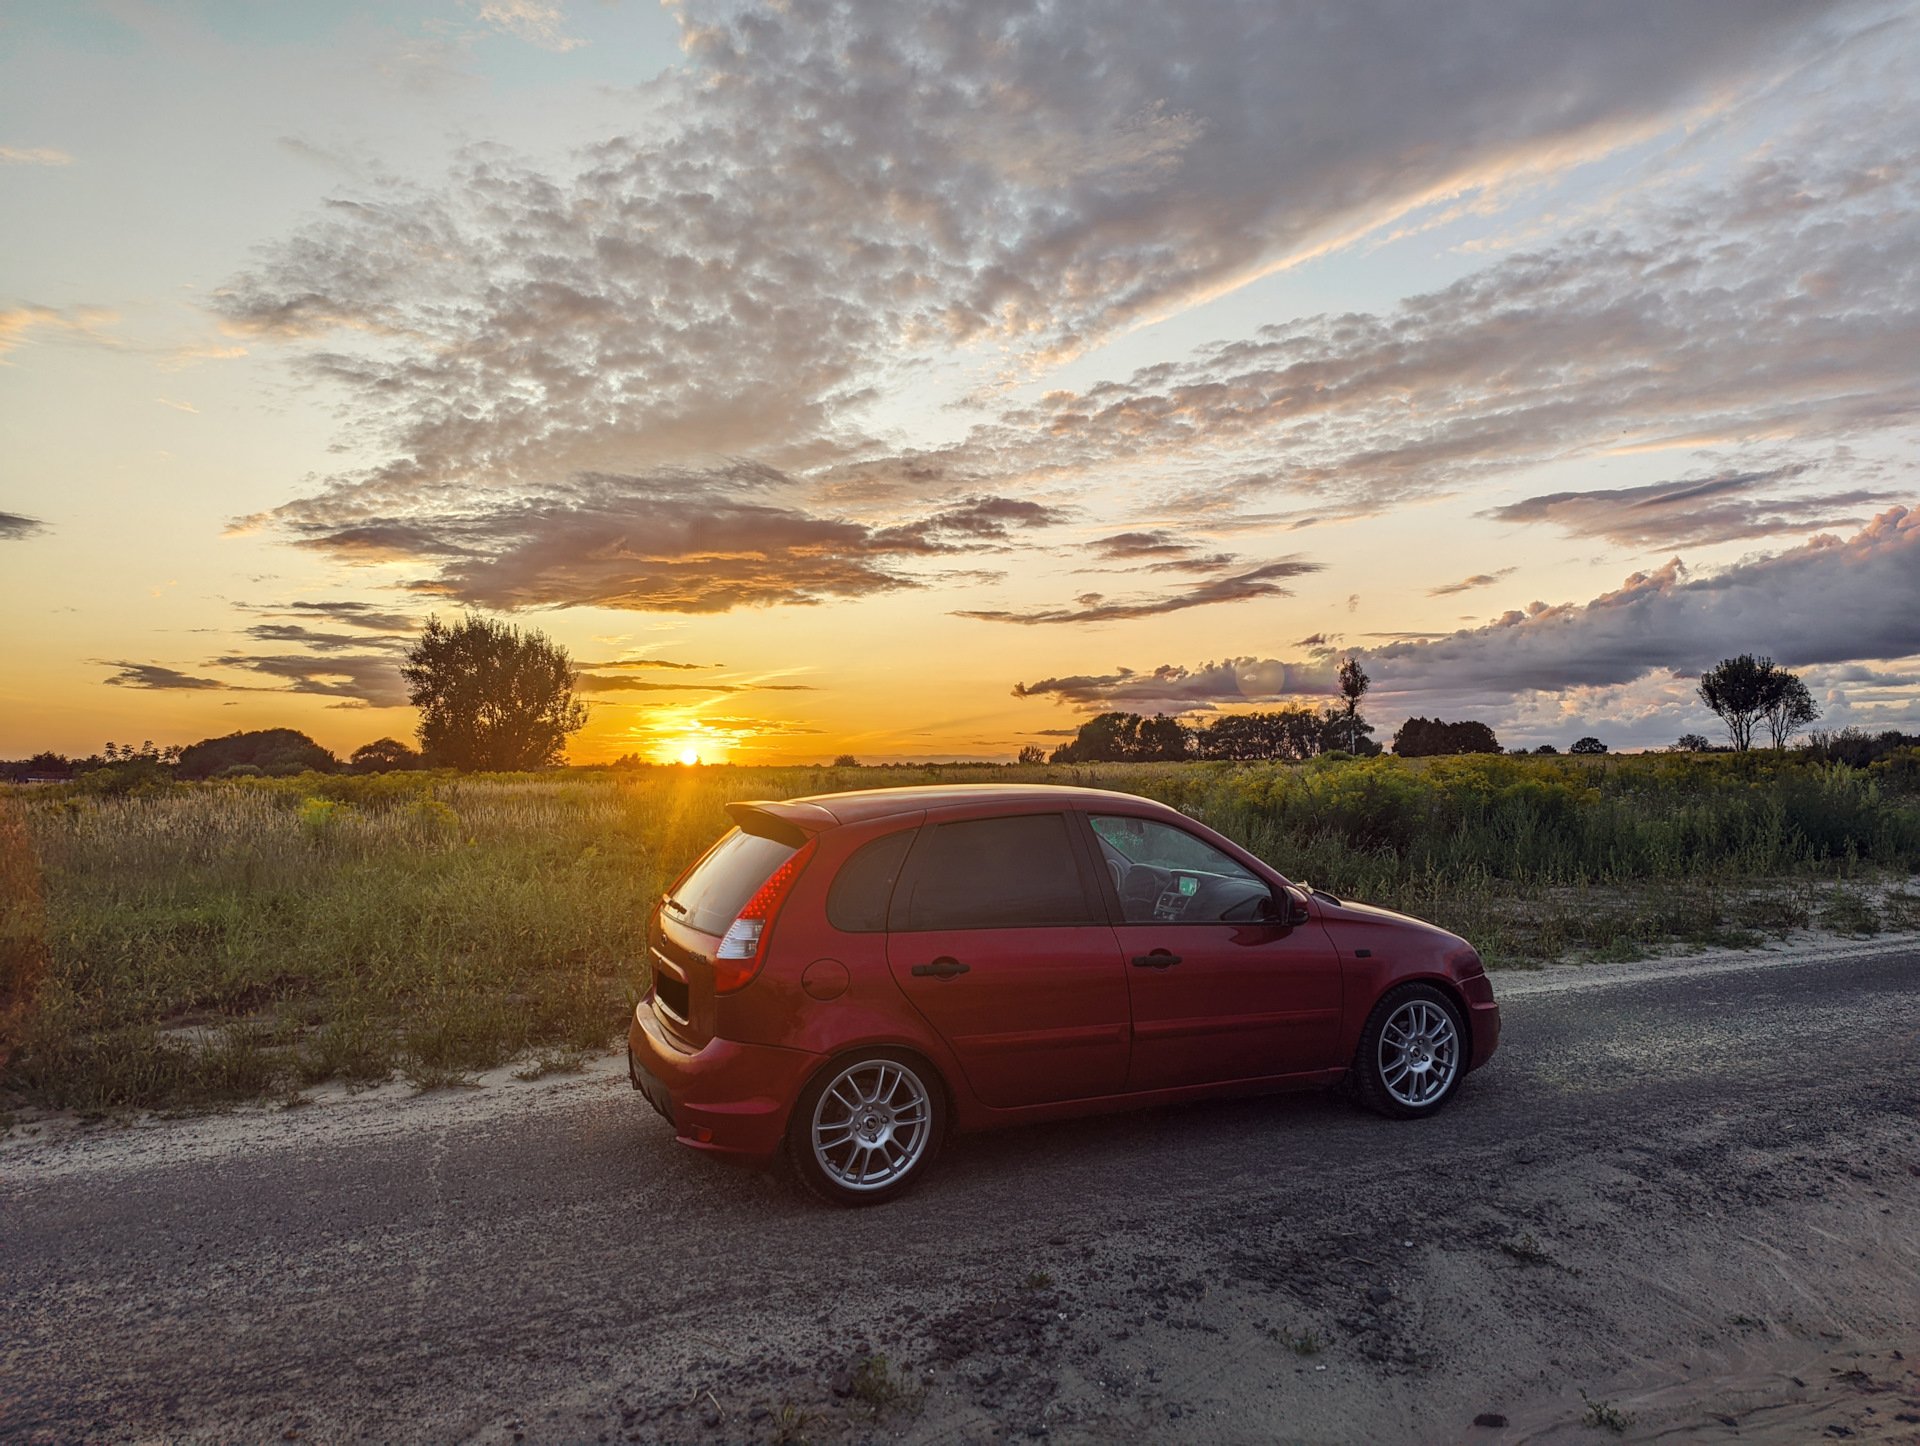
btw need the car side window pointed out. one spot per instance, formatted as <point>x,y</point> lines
<point>994,873</point>
<point>857,902</point>
<point>1164,875</point>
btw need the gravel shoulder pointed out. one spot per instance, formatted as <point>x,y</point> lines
<point>1689,1188</point>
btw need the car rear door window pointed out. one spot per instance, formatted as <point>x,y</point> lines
<point>1164,875</point>
<point>712,895</point>
<point>994,873</point>
<point>857,902</point>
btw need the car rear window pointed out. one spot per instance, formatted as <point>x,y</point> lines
<point>994,873</point>
<point>709,898</point>
<point>857,902</point>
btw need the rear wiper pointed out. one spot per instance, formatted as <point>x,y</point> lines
<point>673,903</point>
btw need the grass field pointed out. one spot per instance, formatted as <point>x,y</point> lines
<point>206,943</point>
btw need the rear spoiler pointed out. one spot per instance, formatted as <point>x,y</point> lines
<point>789,823</point>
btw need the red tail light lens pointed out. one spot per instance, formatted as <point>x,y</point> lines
<point>743,949</point>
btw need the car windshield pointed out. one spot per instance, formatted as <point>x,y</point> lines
<point>1165,875</point>
<point>712,895</point>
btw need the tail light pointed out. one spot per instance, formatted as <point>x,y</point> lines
<point>743,949</point>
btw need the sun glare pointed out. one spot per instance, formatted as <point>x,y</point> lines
<point>689,757</point>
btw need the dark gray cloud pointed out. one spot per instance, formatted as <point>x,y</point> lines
<point>347,614</point>
<point>319,642</point>
<point>1722,508</point>
<point>14,526</point>
<point>1260,582</point>
<point>371,679</point>
<point>1829,601</point>
<point>1131,546</point>
<point>1171,688</point>
<point>152,675</point>
<point>363,681</point>
<point>669,542</point>
<point>1467,584</point>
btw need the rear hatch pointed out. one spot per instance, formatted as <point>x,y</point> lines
<point>694,915</point>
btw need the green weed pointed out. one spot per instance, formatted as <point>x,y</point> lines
<point>1602,1416</point>
<point>354,926</point>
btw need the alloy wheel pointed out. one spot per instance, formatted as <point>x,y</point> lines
<point>1419,1052</point>
<point>872,1125</point>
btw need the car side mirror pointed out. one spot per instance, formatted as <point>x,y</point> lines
<point>1286,911</point>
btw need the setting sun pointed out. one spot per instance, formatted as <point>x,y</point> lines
<point>689,757</point>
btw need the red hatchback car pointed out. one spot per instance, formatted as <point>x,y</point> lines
<point>849,976</point>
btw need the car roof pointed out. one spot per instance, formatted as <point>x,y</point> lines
<point>825,810</point>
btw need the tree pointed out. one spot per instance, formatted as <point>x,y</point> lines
<point>1345,727</point>
<point>1430,738</point>
<point>1125,737</point>
<point>271,750</point>
<point>1738,690</point>
<point>491,697</point>
<point>1033,753</point>
<point>384,755</point>
<point>845,760</point>
<point>1789,707</point>
<point>1588,745</point>
<point>1254,737</point>
<point>1692,743</point>
<point>1161,740</point>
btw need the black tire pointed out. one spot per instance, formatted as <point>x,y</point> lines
<point>879,1111</point>
<point>1413,1053</point>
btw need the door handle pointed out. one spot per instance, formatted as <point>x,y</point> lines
<point>1158,959</point>
<point>941,968</point>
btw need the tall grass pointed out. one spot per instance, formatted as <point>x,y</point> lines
<point>223,941</point>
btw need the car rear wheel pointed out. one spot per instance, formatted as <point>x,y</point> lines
<point>1412,1053</point>
<point>867,1127</point>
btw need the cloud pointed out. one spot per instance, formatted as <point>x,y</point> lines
<point>319,642</point>
<point>1174,689</point>
<point>678,541</point>
<point>1776,308</point>
<point>538,22</point>
<point>14,526</point>
<point>1479,579</point>
<point>828,194</point>
<point>33,156</point>
<point>592,683</point>
<point>76,323</point>
<point>1258,583</point>
<point>152,675</point>
<point>373,681</point>
<point>649,663</point>
<point>347,614</point>
<point>370,679</point>
<point>1829,601</point>
<point>1692,513</point>
<point>1127,546</point>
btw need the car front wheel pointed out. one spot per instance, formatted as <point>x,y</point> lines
<point>867,1127</point>
<point>1412,1053</point>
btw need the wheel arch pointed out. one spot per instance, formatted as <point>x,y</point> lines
<point>1440,982</point>
<point>949,1097</point>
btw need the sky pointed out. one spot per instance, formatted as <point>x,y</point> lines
<point>916,381</point>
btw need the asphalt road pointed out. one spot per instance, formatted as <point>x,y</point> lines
<point>1667,1175</point>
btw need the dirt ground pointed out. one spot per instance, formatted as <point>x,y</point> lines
<point>1683,1203</point>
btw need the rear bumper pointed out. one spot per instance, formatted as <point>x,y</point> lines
<point>729,1100</point>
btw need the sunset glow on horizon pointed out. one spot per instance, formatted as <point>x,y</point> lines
<point>1062,360</point>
